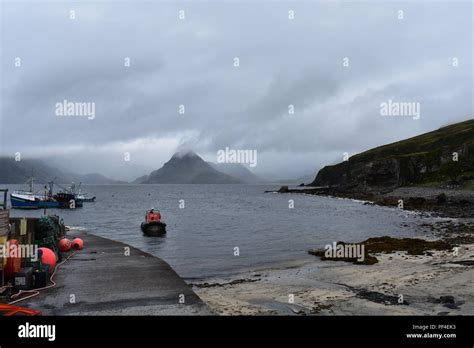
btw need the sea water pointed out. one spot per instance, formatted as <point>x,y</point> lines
<point>218,230</point>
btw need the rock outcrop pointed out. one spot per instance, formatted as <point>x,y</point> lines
<point>427,158</point>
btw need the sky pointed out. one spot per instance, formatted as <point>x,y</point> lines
<point>335,62</point>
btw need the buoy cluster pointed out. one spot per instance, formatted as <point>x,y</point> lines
<point>36,273</point>
<point>26,269</point>
<point>48,257</point>
<point>66,245</point>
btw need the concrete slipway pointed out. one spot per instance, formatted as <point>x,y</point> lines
<point>102,280</point>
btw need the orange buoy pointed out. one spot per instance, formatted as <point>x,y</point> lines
<point>48,257</point>
<point>64,245</point>
<point>77,243</point>
<point>13,264</point>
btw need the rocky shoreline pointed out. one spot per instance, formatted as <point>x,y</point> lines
<point>436,283</point>
<point>431,276</point>
<point>456,205</point>
<point>452,203</point>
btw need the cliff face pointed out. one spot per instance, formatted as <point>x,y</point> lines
<point>427,158</point>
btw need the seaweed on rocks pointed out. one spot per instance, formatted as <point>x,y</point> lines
<point>385,244</point>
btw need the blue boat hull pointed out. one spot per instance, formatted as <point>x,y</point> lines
<point>18,203</point>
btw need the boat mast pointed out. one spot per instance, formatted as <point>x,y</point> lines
<point>31,180</point>
<point>51,185</point>
<point>45,199</point>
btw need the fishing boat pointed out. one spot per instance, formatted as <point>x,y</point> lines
<point>153,226</point>
<point>27,199</point>
<point>84,198</point>
<point>68,197</point>
<point>76,189</point>
<point>67,200</point>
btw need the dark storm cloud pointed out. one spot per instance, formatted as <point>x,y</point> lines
<point>190,62</point>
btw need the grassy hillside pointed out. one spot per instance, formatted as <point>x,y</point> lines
<point>424,159</point>
<point>449,136</point>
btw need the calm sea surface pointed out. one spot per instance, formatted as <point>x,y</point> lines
<point>217,218</point>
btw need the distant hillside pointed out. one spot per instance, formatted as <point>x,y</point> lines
<point>238,171</point>
<point>94,179</point>
<point>18,172</point>
<point>141,179</point>
<point>305,179</point>
<point>188,168</point>
<point>423,159</point>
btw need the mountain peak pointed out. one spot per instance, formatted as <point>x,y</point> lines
<point>185,154</point>
<point>186,167</point>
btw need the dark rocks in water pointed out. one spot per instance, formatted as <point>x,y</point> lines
<point>441,198</point>
<point>413,246</point>
<point>233,282</point>
<point>376,297</point>
<point>464,262</point>
<point>309,191</point>
<point>455,233</point>
<point>301,185</point>
<point>368,259</point>
<point>446,299</point>
<point>455,208</point>
<point>416,202</point>
<point>319,307</point>
<point>448,302</point>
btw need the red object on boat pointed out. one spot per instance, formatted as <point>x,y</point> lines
<point>77,243</point>
<point>48,257</point>
<point>64,245</point>
<point>13,263</point>
<point>9,310</point>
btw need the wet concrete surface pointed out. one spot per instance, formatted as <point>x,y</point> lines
<point>102,280</point>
